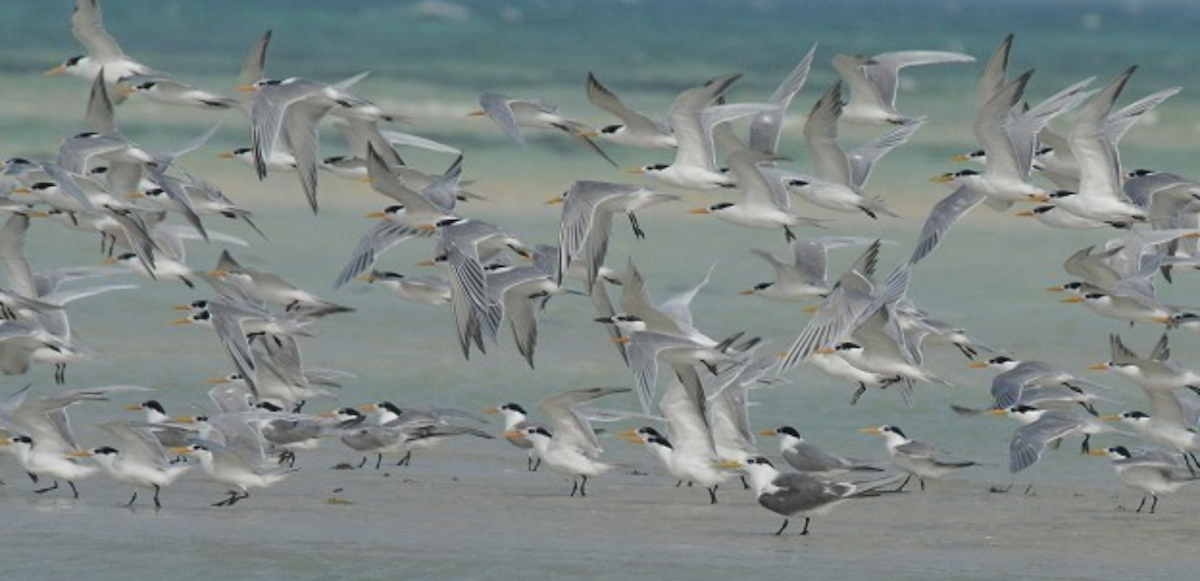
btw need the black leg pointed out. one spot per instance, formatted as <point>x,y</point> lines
<point>132,499</point>
<point>378,460</point>
<point>157,504</point>
<point>712,495</point>
<point>1153,503</point>
<point>583,486</point>
<point>33,477</point>
<point>678,483</point>
<point>1141,504</point>
<point>47,489</point>
<point>922,481</point>
<point>1085,447</point>
<point>903,484</point>
<point>74,491</point>
<point>637,230</point>
<point>745,485</point>
<point>788,234</point>
<point>406,460</point>
<point>574,487</point>
<point>862,388</point>
<point>537,464</point>
<point>805,531</point>
<point>785,524</point>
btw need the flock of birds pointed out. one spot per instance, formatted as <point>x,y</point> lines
<point>864,330</point>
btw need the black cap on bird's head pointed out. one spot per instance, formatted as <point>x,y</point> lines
<point>789,430</point>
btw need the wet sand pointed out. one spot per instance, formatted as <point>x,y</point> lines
<point>471,511</point>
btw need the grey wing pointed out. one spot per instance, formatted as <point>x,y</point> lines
<point>603,98</point>
<point>582,218</point>
<point>765,127</point>
<point>300,130</point>
<point>1162,349</point>
<point>12,255</point>
<point>443,190</point>
<point>781,268</point>
<point>1023,129</point>
<point>138,441</point>
<point>87,26</point>
<point>256,60</point>
<point>798,493</point>
<point>694,141</point>
<point>375,242</point>
<point>604,310</point>
<point>499,109</point>
<point>838,311</point>
<point>809,458</point>
<point>468,289</point>
<point>862,158</point>
<point>820,132</point>
<point>65,178</point>
<point>523,319</point>
<point>678,307</point>
<point>942,217</point>
<point>635,299</point>
<point>267,112</point>
<point>991,80</point>
<point>99,115</point>
<point>918,449</point>
<point>1119,121</point>
<point>716,115</point>
<point>884,72</point>
<point>233,339</point>
<point>1031,440</point>
<point>384,181</point>
<point>178,195</point>
<point>566,422</point>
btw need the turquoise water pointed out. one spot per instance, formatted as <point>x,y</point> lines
<point>988,277</point>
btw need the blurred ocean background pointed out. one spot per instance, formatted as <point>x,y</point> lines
<point>429,59</point>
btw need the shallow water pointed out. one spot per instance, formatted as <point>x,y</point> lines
<point>467,510</point>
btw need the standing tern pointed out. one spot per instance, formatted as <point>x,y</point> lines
<point>1147,472</point>
<point>226,466</point>
<point>807,457</point>
<point>798,494</point>
<point>572,447</point>
<point>917,458</point>
<point>139,459</point>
